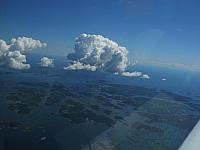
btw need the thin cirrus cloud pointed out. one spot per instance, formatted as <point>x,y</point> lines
<point>13,55</point>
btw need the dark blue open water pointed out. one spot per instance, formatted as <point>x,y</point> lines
<point>51,108</point>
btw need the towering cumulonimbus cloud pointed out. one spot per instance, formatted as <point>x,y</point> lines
<point>95,52</point>
<point>46,62</point>
<point>14,54</point>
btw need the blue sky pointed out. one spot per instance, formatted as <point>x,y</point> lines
<point>154,31</point>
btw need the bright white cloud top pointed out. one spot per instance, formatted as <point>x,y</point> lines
<point>91,52</point>
<point>132,74</point>
<point>80,66</point>
<point>95,51</point>
<point>13,55</point>
<point>46,62</point>
<point>3,47</point>
<point>24,44</point>
<point>135,74</point>
<point>145,76</point>
<point>16,60</point>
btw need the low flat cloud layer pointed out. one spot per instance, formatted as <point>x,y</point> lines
<point>13,55</point>
<point>46,62</point>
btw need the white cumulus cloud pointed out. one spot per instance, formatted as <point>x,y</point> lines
<point>3,47</point>
<point>80,66</point>
<point>16,60</point>
<point>25,44</point>
<point>98,52</point>
<point>135,74</point>
<point>13,55</point>
<point>95,52</point>
<point>132,74</point>
<point>46,62</point>
<point>145,76</point>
